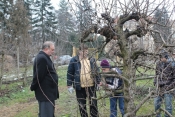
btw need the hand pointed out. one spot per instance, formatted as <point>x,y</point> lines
<point>154,83</point>
<point>31,88</point>
<point>70,90</point>
<point>103,84</point>
<point>98,87</point>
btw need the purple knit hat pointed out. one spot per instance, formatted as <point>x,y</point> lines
<point>104,64</point>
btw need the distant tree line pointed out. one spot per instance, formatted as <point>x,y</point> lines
<point>37,21</point>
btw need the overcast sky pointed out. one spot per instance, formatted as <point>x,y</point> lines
<point>55,3</point>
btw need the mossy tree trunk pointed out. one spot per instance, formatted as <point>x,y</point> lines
<point>128,73</point>
<point>129,88</point>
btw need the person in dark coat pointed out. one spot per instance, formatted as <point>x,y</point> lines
<point>83,75</point>
<point>45,80</point>
<point>165,75</point>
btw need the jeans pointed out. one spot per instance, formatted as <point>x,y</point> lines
<point>168,104</point>
<point>113,105</point>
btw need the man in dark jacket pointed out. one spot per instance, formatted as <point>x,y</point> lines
<point>45,80</point>
<point>164,78</point>
<point>82,74</point>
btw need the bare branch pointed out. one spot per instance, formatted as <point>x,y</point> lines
<point>127,17</point>
<point>135,54</point>
<point>143,101</point>
<point>144,78</point>
<point>161,37</point>
<point>107,17</point>
<point>113,74</point>
<point>166,112</point>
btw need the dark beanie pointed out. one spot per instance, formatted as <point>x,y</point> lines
<point>164,55</point>
<point>104,64</point>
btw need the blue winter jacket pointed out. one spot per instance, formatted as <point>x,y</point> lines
<point>110,80</point>
<point>74,69</point>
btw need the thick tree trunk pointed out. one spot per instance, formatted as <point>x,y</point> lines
<point>129,88</point>
<point>128,73</point>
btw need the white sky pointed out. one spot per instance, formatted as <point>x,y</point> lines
<point>55,3</point>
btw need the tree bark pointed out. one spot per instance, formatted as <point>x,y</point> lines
<point>129,88</point>
<point>2,69</point>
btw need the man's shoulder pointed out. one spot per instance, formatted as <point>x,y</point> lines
<point>41,57</point>
<point>75,58</point>
<point>92,59</point>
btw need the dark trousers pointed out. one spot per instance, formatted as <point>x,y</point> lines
<point>87,94</point>
<point>46,109</point>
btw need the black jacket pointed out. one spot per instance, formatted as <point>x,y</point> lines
<point>165,74</point>
<point>45,78</point>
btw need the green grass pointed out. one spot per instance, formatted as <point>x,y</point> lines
<point>62,74</point>
<point>143,87</point>
<point>14,71</point>
<point>147,108</point>
<point>145,83</point>
<point>16,94</point>
<point>66,105</point>
<point>145,71</point>
<point>27,112</point>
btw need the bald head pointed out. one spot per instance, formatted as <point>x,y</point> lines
<point>48,47</point>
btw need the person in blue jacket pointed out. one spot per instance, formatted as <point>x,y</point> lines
<point>113,84</point>
<point>82,74</point>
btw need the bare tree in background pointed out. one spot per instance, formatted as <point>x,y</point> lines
<point>119,27</point>
<point>20,38</point>
<point>66,26</point>
<point>2,64</point>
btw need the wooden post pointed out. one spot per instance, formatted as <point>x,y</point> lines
<point>74,53</point>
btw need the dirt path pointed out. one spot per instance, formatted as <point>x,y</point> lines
<point>11,111</point>
<point>26,109</point>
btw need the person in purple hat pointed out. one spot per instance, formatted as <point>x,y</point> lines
<point>116,84</point>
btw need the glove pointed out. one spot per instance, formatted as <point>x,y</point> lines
<point>98,87</point>
<point>71,90</point>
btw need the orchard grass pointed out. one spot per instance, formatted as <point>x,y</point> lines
<point>66,105</point>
